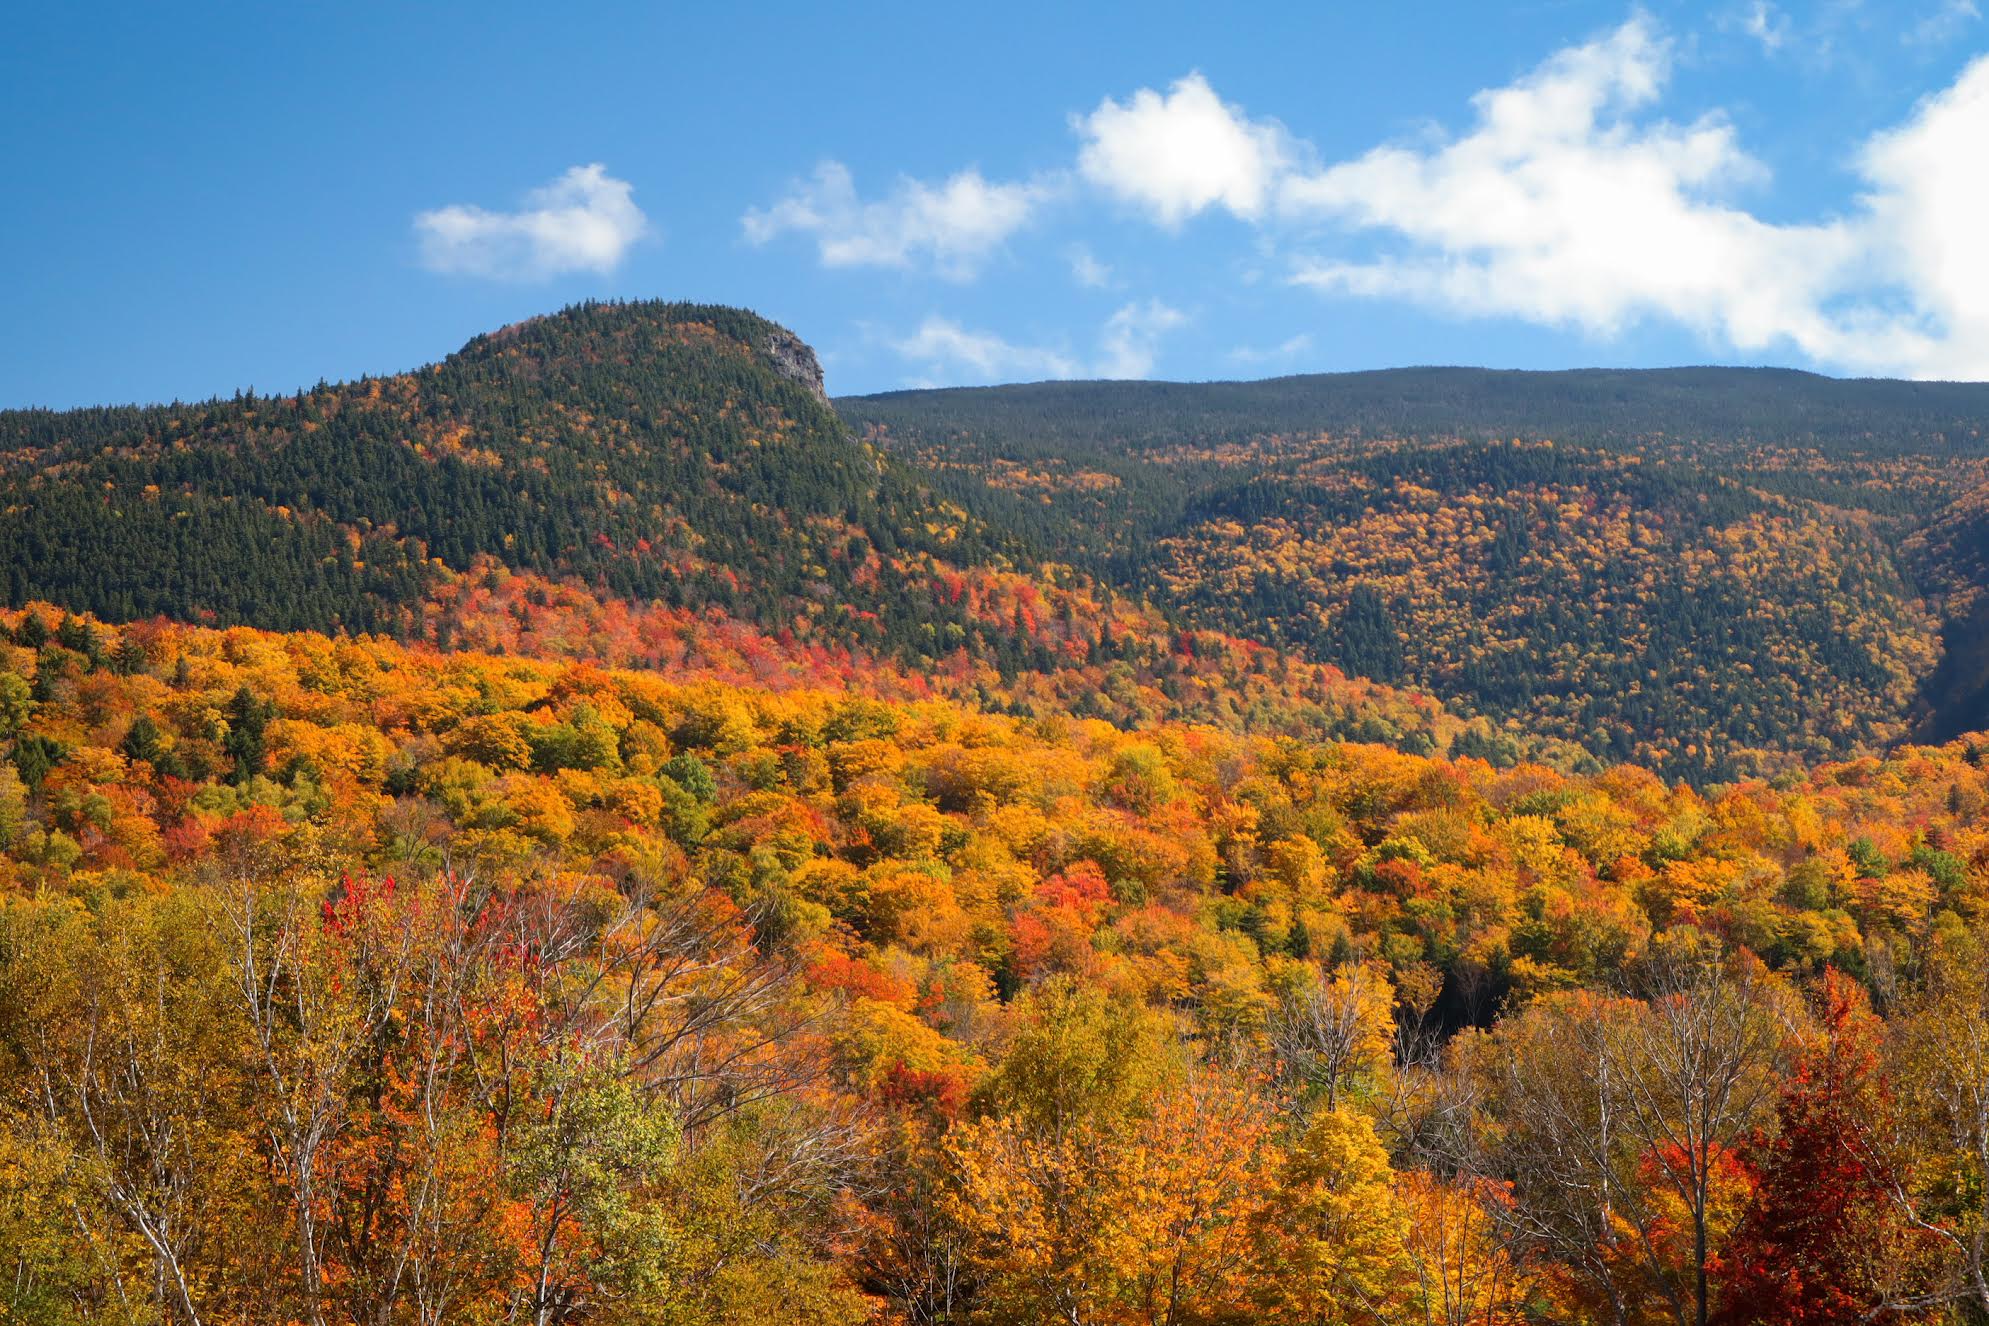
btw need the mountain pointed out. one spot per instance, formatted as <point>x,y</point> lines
<point>1698,569</point>
<point>724,904</point>
<point>655,484</point>
<point>1713,572</point>
<point>1577,405</point>
<point>663,451</point>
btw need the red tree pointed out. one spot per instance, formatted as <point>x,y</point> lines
<point>1815,1238</point>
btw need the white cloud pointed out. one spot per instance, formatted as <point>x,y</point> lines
<point>1923,229</point>
<point>1567,204</point>
<point>955,225</point>
<point>1131,339</point>
<point>1128,344</point>
<point>985,356</point>
<point>1571,200</point>
<point>1181,153</point>
<point>1086,270</point>
<point>584,221</point>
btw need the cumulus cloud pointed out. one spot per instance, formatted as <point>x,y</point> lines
<point>1569,204</point>
<point>1570,200</point>
<point>954,226</point>
<point>1923,228</point>
<point>584,221</point>
<point>1128,344</point>
<point>1179,153</point>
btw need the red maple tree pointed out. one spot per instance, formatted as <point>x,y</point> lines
<point>1813,1242</point>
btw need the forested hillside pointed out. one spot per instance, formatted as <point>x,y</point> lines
<point>659,451</point>
<point>1703,570</point>
<point>1774,406</point>
<point>1714,573</point>
<point>660,484</point>
<point>342,981</point>
<point>577,834</point>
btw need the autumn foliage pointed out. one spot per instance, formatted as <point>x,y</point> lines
<point>347,980</point>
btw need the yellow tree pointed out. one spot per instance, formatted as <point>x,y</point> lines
<point>1940,1058</point>
<point>1107,1181</point>
<point>1465,1274</point>
<point>1042,1218</point>
<point>1331,1238</point>
<point>1147,1220</point>
<point>1189,1184</point>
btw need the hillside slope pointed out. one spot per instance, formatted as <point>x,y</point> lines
<point>1699,569</point>
<point>1711,404</point>
<point>779,999</point>
<point>662,450</point>
<point>661,485</point>
<point>1711,572</point>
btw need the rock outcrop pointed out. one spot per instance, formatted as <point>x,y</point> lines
<point>794,360</point>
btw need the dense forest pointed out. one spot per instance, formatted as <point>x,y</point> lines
<point>592,832</point>
<point>1715,573</point>
<point>658,484</point>
<point>660,452</point>
<point>345,981</point>
<point>1721,405</point>
<point>1703,570</point>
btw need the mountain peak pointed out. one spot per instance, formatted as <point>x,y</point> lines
<point>643,331</point>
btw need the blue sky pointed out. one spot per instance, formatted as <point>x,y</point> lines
<point>200,198</point>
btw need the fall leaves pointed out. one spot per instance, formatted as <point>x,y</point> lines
<point>341,979</point>
<point>1111,1179</point>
